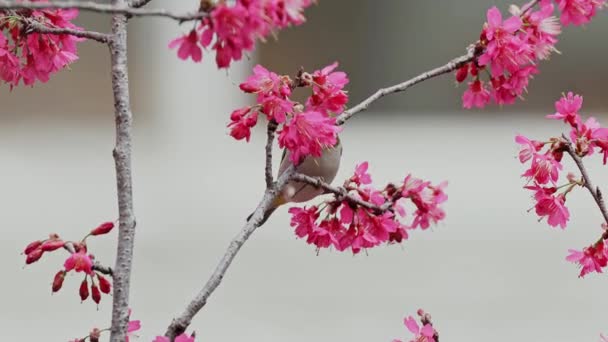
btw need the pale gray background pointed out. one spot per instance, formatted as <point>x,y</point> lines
<point>490,272</point>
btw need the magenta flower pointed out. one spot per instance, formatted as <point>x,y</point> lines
<point>424,334</point>
<point>476,96</point>
<point>80,262</point>
<point>504,51</point>
<point>591,259</point>
<point>567,109</point>
<point>132,327</point>
<point>544,169</point>
<point>328,96</point>
<point>307,134</point>
<point>528,148</point>
<point>552,206</point>
<point>361,177</point>
<point>188,46</point>
<point>579,12</point>
<point>181,338</point>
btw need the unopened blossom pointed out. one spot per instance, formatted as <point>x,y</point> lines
<point>591,259</point>
<point>308,134</point>
<point>58,281</point>
<point>104,284</point>
<point>84,290</point>
<point>103,228</point>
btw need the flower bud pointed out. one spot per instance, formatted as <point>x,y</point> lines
<point>95,294</point>
<point>462,73</point>
<point>94,335</point>
<point>239,113</point>
<point>58,281</point>
<point>33,256</point>
<point>32,246</point>
<point>51,245</point>
<point>104,284</point>
<point>84,290</point>
<point>103,228</point>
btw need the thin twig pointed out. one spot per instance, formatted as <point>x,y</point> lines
<point>122,158</point>
<point>103,8</point>
<point>35,26</point>
<point>595,192</point>
<point>181,323</point>
<point>449,67</point>
<point>338,191</point>
<point>272,128</point>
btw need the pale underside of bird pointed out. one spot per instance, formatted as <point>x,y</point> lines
<point>324,167</point>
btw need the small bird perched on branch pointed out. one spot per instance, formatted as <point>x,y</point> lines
<point>325,167</point>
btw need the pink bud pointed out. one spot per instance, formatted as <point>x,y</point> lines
<point>84,290</point>
<point>248,88</point>
<point>104,284</point>
<point>239,113</point>
<point>94,335</point>
<point>51,245</point>
<point>58,281</point>
<point>103,228</point>
<point>33,256</point>
<point>32,246</point>
<point>420,312</point>
<point>462,73</point>
<point>95,294</point>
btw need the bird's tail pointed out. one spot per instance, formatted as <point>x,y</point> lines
<point>278,201</point>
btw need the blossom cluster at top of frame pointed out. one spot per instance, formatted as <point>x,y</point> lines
<point>230,29</point>
<point>344,224</point>
<point>31,57</point>
<point>509,50</point>
<point>305,129</point>
<point>544,161</point>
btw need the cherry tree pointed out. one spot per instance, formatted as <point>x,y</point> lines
<point>39,39</point>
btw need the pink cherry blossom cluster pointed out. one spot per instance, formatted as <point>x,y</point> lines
<point>30,56</point>
<point>306,128</point>
<point>511,49</point>
<point>344,224</point>
<point>79,260</point>
<point>132,327</point>
<point>424,333</point>
<point>545,165</point>
<point>232,29</point>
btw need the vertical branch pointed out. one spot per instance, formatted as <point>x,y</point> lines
<point>122,158</point>
<point>272,128</point>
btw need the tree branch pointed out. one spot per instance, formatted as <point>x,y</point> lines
<point>449,67</point>
<point>35,26</point>
<point>122,158</point>
<point>181,323</point>
<point>121,8</point>
<point>595,192</point>
<point>272,128</point>
<point>339,191</point>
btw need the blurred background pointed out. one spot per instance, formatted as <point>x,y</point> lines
<point>490,272</point>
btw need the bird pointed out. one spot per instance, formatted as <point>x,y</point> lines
<point>324,167</point>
